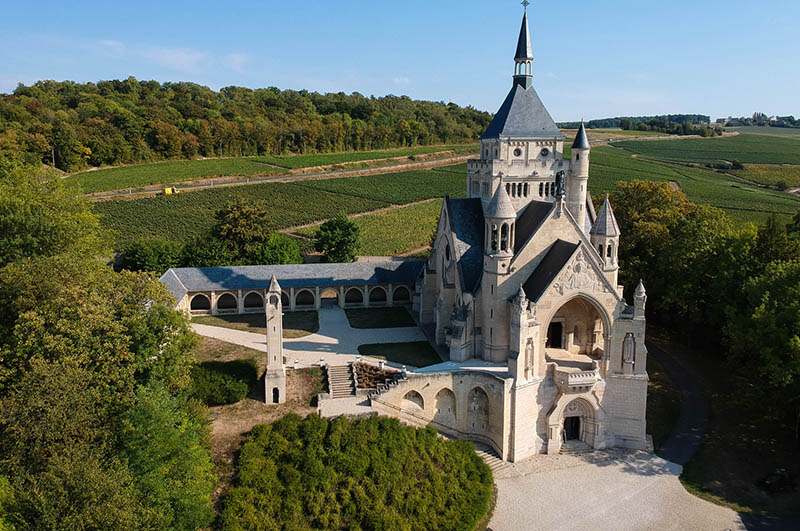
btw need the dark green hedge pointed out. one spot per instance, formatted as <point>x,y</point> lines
<point>223,382</point>
<point>369,473</point>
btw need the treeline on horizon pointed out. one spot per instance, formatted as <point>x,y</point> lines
<point>73,126</point>
<point>673,124</point>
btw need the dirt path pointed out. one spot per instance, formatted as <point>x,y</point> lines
<point>299,174</point>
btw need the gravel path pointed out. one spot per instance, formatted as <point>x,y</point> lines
<point>602,491</point>
<point>336,341</point>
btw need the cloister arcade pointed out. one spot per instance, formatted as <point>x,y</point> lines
<point>300,299</point>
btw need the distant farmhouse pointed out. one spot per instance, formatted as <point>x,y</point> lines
<point>520,290</point>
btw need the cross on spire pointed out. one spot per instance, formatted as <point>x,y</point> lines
<point>525,4</point>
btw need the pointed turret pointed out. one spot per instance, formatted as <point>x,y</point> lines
<point>581,140</point>
<point>501,207</point>
<point>524,49</point>
<point>606,223</point>
<point>500,220</point>
<point>639,301</point>
<point>274,287</point>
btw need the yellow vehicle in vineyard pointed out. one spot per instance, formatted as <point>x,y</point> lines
<point>170,191</point>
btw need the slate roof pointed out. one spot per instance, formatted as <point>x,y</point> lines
<point>547,270</point>
<point>523,115</point>
<point>183,280</point>
<point>529,220</point>
<point>524,51</point>
<point>467,224</point>
<point>581,140</point>
<point>606,223</point>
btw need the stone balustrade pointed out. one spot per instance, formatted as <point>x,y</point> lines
<point>570,381</point>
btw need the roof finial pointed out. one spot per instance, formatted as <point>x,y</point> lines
<point>525,4</point>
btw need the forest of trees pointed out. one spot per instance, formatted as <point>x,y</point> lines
<point>73,126</point>
<point>675,124</point>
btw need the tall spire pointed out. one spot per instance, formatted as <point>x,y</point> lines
<point>523,59</point>
<point>581,140</point>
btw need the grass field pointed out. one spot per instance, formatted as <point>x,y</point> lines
<point>168,172</point>
<point>396,231</point>
<point>770,174</point>
<point>754,149</point>
<point>414,354</point>
<point>774,131</point>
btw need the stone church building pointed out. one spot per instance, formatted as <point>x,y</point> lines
<point>521,288</point>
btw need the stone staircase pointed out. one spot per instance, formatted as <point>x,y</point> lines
<point>340,381</point>
<point>575,448</point>
<point>489,457</point>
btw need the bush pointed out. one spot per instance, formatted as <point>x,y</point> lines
<point>217,383</point>
<point>153,254</point>
<point>368,473</point>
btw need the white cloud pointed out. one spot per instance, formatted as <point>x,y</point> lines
<point>401,80</point>
<point>237,61</point>
<point>182,59</point>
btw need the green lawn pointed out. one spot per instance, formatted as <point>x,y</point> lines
<point>396,317</point>
<point>295,324</point>
<point>414,354</point>
<point>168,172</point>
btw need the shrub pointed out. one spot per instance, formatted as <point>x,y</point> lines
<point>154,254</point>
<point>218,383</point>
<point>368,473</point>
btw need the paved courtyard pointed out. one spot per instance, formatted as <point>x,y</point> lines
<point>602,491</point>
<point>336,341</point>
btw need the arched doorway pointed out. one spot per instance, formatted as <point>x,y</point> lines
<point>575,421</point>
<point>276,395</point>
<point>354,296</point>
<point>577,328</point>
<point>329,298</point>
<point>285,300</point>
<point>377,296</point>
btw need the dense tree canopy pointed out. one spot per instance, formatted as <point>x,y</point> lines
<point>369,473</point>
<point>338,240</point>
<point>72,125</point>
<point>96,430</point>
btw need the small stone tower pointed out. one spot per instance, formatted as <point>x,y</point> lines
<point>577,184</point>
<point>501,220</point>
<point>275,378</point>
<point>605,238</point>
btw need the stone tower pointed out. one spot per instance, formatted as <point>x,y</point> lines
<point>275,378</point>
<point>577,184</point>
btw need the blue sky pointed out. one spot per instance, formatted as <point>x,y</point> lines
<point>592,59</point>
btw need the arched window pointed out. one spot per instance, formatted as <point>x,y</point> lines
<point>541,189</point>
<point>253,301</point>
<point>401,294</point>
<point>577,156</point>
<point>447,252</point>
<point>200,302</point>
<point>504,237</point>
<point>525,190</point>
<point>519,190</point>
<point>377,295</point>
<point>600,249</point>
<point>494,237</point>
<point>305,298</point>
<point>226,302</point>
<point>547,189</point>
<point>285,299</point>
<point>508,189</point>
<point>354,296</point>
<point>608,254</point>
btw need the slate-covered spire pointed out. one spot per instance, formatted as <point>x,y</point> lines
<point>606,223</point>
<point>524,49</point>
<point>581,140</point>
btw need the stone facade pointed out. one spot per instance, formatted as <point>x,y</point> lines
<point>521,289</point>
